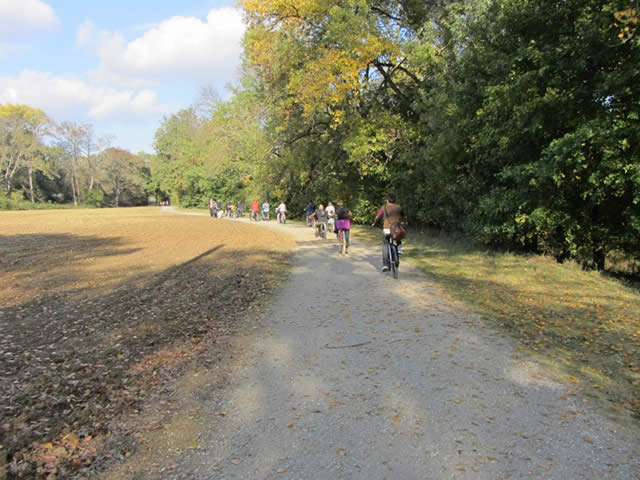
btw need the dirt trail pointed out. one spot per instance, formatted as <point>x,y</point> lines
<point>351,374</point>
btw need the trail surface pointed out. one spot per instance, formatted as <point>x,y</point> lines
<point>353,375</point>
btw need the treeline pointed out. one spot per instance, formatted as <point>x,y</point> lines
<point>44,163</point>
<point>514,121</point>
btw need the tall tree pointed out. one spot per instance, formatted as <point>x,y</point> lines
<point>123,174</point>
<point>22,129</point>
<point>72,138</point>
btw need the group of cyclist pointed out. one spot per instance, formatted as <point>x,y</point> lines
<point>329,219</point>
<point>217,209</point>
<point>332,219</point>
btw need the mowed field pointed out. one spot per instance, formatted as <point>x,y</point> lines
<point>100,307</point>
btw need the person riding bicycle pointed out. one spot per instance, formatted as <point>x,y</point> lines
<point>391,212</point>
<point>265,210</point>
<point>212,207</point>
<point>311,207</point>
<point>255,208</point>
<point>281,210</point>
<point>321,219</point>
<point>331,215</point>
<point>343,224</point>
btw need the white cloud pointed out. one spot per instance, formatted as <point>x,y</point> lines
<point>180,47</point>
<point>65,96</point>
<point>20,16</point>
<point>85,33</point>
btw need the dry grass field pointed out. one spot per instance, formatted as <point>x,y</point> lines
<point>98,308</point>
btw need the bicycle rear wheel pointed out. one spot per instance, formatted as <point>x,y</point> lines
<point>342,241</point>
<point>393,259</point>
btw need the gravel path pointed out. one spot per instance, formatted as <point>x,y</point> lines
<point>350,374</point>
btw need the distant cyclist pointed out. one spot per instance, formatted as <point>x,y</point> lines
<point>321,220</point>
<point>265,210</point>
<point>391,212</point>
<point>281,212</point>
<point>255,209</point>
<point>311,207</point>
<point>344,226</point>
<point>212,207</point>
<point>331,215</point>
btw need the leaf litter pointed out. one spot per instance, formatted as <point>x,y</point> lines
<point>101,310</point>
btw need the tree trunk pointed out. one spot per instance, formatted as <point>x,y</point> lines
<point>599,256</point>
<point>30,174</point>
<point>73,186</point>
<point>7,183</point>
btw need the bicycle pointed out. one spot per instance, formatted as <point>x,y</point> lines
<point>254,216</point>
<point>331,224</point>
<point>321,230</point>
<point>394,258</point>
<point>282,217</point>
<point>311,221</point>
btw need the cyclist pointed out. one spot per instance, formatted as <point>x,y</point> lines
<point>265,210</point>
<point>240,209</point>
<point>321,219</point>
<point>392,213</point>
<point>331,215</point>
<point>311,207</point>
<point>281,211</point>
<point>255,208</point>
<point>212,207</point>
<point>343,225</point>
<point>229,205</point>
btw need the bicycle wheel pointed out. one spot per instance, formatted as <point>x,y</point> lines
<point>393,259</point>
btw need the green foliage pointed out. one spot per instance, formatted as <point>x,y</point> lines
<point>514,121</point>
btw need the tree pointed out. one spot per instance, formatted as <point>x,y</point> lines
<point>73,139</point>
<point>22,129</point>
<point>123,174</point>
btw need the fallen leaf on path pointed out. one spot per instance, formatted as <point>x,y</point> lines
<point>341,452</point>
<point>236,461</point>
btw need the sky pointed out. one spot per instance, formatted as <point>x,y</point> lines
<point>120,65</point>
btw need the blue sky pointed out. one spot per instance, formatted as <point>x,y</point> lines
<point>119,65</point>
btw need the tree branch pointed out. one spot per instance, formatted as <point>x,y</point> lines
<point>385,14</point>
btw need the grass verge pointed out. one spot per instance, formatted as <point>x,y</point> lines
<point>583,326</point>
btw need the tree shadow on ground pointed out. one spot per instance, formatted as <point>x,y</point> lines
<point>74,363</point>
<point>55,262</point>
<point>597,348</point>
<point>34,251</point>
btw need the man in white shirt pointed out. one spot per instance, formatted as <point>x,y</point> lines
<point>280,212</point>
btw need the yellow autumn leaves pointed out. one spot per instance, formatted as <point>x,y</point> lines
<point>320,49</point>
